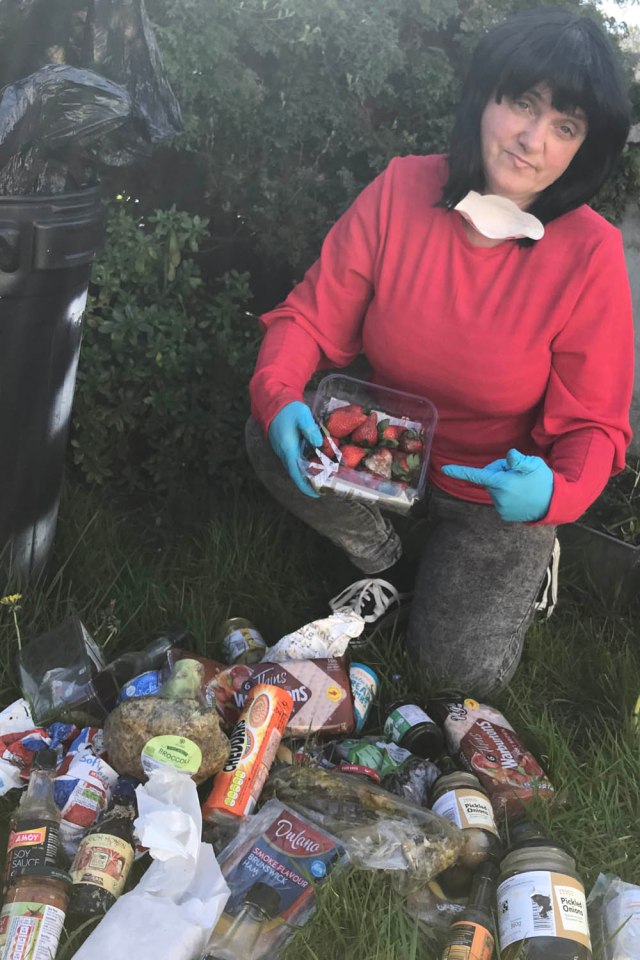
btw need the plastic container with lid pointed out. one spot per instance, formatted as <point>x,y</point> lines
<point>411,728</point>
<point>33,914</point>
<point>393,470</point>
<point>542,909</point>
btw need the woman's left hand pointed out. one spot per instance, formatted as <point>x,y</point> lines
<point>520,487</point>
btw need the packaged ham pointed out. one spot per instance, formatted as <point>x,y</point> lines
<point>484,742</point>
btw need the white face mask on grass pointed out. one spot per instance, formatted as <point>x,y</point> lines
<point>498,218</point>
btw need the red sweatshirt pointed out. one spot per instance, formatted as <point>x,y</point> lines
<point>517,347</point>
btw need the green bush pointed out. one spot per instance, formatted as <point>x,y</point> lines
<point>162,380</point>
<point>291,107</point>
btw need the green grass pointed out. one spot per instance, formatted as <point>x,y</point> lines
<point>128,575</point>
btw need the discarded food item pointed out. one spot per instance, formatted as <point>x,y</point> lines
<point>34,828</point>
<point>176,713</point>
<point>614,918</point>
<point>319,639</point>
<point>379,831</point>
<point>483,742</point>
<point>413,780</point>
<point>358,756</point>
<point>211,671</point>
<point>241,642</point>
<point>471,936</point>
<point>105,855</point>
<point>56,673</point>
<point>83,787</point>
<point>285,856</point>
<point>459,797</point>
<point>364,687</point>
<point>33,914</point>
<point>377,442</point>
<point>320,690</point>
<point>413,729</point>
<point>254,742</point>
<point>542,910</point>
<point>171,912</point>
<point>226,690</point>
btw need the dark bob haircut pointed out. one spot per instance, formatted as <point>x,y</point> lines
<point>575,57</point>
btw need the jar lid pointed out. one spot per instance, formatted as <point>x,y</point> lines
<point>43,872</point>
<point>458,778</point>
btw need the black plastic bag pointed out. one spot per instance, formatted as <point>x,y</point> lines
<point>120,44</point>
<point>59,117</point>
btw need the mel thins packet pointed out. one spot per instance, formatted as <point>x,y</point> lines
<point>282,849</point>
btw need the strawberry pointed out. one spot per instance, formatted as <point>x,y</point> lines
<point>352,455</point>
<point>389,433</point>
<point>327,448</point>
<point>344,420</point>
<point>380,463</point>
<point>411,441</point>
<point>405,466</point>
<point>367,432</point>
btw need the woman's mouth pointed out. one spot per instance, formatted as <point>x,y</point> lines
<point>519,162</point>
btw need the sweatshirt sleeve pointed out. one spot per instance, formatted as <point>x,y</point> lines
<point>320,322</point>
<point>584,421</point>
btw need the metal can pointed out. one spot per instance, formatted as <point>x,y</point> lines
<point>144,685</point>
<point>364,686</point>
<point>241,642</point>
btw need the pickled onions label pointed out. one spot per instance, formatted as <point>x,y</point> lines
<point>466,808</point>
<point>540,903</point>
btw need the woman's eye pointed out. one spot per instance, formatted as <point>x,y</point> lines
<point>567,131</point>
<point>521,104</point>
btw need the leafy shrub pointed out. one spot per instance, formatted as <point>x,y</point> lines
<point>291,107</point>
<point>162,380</point>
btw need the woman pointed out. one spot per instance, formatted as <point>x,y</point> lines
<point>525,346</point>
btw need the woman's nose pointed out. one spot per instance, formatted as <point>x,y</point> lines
<point>532,135</point>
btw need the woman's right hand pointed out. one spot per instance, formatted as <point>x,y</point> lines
<point>288,428</point>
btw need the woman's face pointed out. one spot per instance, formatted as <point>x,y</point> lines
<point>527,144</point>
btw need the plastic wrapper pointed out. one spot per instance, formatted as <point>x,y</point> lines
<point>319,639</point>
<point>413,780</point>
<point>83,787</point>
<point>614,918</point>
<point>172,911</point>
<point>433,910</point>
<point>56,673</point>
<point>379,830</point>
<point>286,851</point>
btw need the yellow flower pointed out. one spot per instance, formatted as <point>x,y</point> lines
<point>11,599</point>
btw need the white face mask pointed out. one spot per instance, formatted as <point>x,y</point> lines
<point>498,218</point>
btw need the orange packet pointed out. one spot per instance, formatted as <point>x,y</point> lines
<point>254,742</point>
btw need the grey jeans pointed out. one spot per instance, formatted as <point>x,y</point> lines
<point>477,581</point>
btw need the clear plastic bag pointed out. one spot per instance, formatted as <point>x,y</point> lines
<point>614,918</point>
<point>56,674</point>
<point>380,831</point>
<point>285,851</point>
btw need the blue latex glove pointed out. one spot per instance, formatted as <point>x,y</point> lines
<point>520,487</point>
<point>286,432</point>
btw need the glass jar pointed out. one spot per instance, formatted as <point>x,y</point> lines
<point>241,642</point>
<point>412,729</point>
<point>33,914</point>
<point>542,910</point>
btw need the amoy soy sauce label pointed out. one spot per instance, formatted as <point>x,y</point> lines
<point>540,903</point>
<point>34,846</point>
<point>290,856</point>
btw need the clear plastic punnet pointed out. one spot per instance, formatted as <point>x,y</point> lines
<point>376,442</point>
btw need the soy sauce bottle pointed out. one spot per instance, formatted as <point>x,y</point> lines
<point>105,855</point>
<point>34,830</point>
<point>471,937</point>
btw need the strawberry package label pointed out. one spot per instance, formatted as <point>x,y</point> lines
<point>376,443</point>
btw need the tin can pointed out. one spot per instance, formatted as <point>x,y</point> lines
<point>241,642</point>
<point>254,742</point>
<point>364,686</point>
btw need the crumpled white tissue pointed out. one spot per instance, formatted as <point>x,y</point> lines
<point>171,913</point>
<point>498,218</point>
